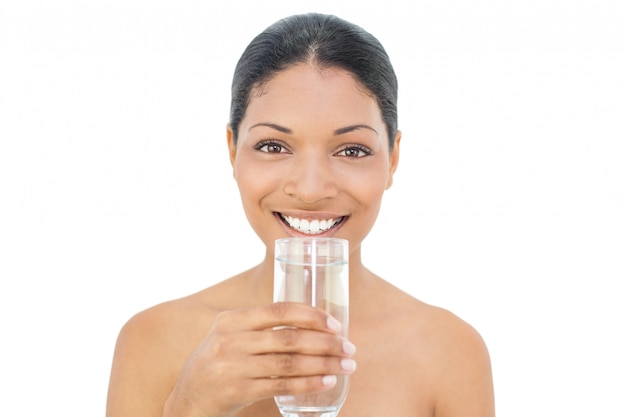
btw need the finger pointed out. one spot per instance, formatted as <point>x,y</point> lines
<point>278,315</point>
<point>291,339</point>
<point>269,387</point>
<point>290,365</point>
<point>285,340</point>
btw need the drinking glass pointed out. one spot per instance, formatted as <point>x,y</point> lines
<point>314,271</point>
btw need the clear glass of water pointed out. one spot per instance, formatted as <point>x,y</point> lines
<point>314,271</point>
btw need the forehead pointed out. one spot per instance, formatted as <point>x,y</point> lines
<point>307,91</point>
<point>300,72</point>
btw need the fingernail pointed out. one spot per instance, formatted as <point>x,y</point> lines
<point>348,365</point>
<point>333,324</point>
<point>348,348</point>
<point>329,380</point>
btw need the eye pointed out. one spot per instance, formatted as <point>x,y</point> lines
<point>354,151</point>
<point>270,146</point>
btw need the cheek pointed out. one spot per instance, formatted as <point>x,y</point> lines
<point>249,185</point>
<point>254,181</point>
<point>369,182</point>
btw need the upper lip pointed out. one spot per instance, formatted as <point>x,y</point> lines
<point>311,215</point>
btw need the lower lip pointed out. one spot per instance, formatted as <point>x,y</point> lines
<point>296,233</point>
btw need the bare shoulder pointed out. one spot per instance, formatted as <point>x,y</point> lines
<point>449,354</point>
<point>445,330</point>
<point>150,350</point>
<point>463,371</point>
<point>177,326</point>
<point>167,326</point>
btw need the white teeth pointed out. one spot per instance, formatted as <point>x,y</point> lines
<point>310,227</point>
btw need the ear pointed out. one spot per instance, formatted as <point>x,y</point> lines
<point>232,146</point>
<point>394,158</point>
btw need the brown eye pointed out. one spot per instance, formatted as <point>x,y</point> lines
<point>354,151</point>
<point>271,147</point>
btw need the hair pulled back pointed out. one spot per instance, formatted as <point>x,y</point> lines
<point>323,40</point>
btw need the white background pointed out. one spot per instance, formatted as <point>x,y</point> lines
<point>508,207</point>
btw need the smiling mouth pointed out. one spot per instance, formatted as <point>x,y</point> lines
<point>311,226</point>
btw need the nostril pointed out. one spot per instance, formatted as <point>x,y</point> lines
<point>310,190</point>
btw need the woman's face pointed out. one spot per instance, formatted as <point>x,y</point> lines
<point>312,157</point>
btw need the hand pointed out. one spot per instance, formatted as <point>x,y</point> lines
<point>244,359</point>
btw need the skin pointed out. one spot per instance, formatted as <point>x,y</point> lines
<point>312,145</point>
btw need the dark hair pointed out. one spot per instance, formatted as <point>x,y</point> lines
<point>324,40</point>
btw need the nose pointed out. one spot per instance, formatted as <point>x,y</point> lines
<point>311,179</point>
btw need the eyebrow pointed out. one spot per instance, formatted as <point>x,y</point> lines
<point>273,126</point>
<point>337,132</point>
<point>349,129</point>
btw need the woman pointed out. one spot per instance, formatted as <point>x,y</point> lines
<point>313,144</point>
